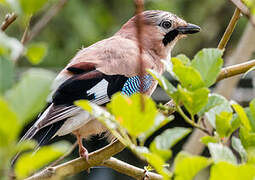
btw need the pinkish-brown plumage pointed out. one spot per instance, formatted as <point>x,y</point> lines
<point>100,70</point>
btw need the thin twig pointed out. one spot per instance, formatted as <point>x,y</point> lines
<point>132,171</point>
<point>28,36</point>
<point>192,123</point>
<point>244,9</point>
<point>9,19</point>
<point>45,20</point>
<point>65,155</point>
<point>26,32</point>
<point>231,26</point>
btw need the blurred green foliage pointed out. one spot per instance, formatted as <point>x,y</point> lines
<point>83,22</point>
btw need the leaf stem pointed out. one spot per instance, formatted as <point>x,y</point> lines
<point>192,118</point>
<point>192,123</point>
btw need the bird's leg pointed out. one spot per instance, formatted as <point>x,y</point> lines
<point>82,150</point>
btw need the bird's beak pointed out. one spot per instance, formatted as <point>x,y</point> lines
<point>188,29</point>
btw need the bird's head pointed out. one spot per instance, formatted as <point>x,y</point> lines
<point>160,30</point>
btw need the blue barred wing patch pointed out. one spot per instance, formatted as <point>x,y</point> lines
<point>132,85</point>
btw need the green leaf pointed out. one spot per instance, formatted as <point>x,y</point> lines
<point>32,161</point>
<point>165,154</point>
<point>28,97</point>
<point>251,114</point>
<point>208,139</point>
<point>215,105</point>
<point>221,153</point>
<point>99,113</point>
<point>208,62</point>
<point>223,125</point>
<point>129,112</point>
<point>36,52</point>
<point>170,137</point>
<point>188,76</point>
<point>6,74</point>
<point>193,101</point>
<point>167,139</point>
<point>251,155</point>
<point>235,122</point>
<point>160,121</point>
<point>237,145</point>
<point>85,105</point>
<point>32,6</point>
<point>242,115</point>
<point>163,82</point>
<point>185,60</point>
<point>247,138</point>
<point>24,146</point>
<point>227,171</point>
<point>158,163</point>
<point>10,127</point>
<point>187,166</point>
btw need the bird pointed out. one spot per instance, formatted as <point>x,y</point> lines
<point>109,66</point>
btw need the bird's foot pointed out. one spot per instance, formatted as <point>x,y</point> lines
<point>82,150</point>
<point>84,153</point>
<point>146,176</point>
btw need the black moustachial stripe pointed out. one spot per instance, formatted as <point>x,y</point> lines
<point>170,36</point>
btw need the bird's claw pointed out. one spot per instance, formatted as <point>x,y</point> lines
<point>146,176</point>
<point>84,153</point>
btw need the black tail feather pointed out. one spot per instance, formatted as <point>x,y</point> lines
<point>42,136</point>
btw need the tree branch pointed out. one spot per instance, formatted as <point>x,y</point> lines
<point>65,155</point>
<point>9,19</point>
<point>235,69</point>
<point>130,170</point>
<point>80,164</point>
<point>245,10</point>
<point>231,26</point>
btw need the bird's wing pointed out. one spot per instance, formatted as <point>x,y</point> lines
<point>113,56</point>
<point>95,74</point>
<point>89,84</point>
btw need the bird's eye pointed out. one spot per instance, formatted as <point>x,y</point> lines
<point>166,24</point>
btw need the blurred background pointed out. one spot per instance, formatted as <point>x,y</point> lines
<point>81,23</point>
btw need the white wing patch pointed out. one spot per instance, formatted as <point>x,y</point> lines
<point>100,92</point>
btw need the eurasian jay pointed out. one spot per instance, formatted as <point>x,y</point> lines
<point>104,68</point>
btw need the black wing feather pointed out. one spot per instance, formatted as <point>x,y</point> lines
<point>72,89</point>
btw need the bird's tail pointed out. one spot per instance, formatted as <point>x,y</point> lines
<point>29,135</point>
